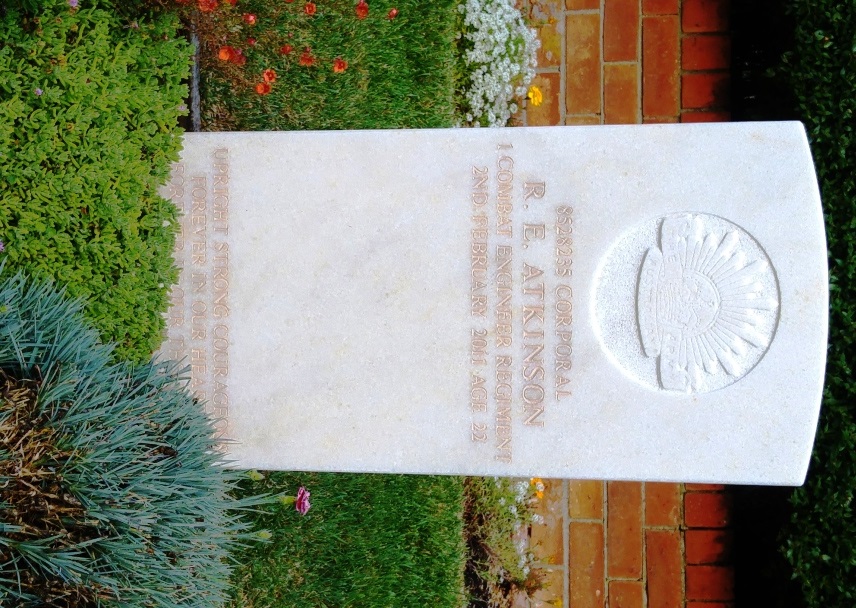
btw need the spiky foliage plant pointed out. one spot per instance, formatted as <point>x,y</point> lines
<point>112,491</point>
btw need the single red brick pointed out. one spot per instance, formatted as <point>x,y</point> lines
<point>707,546</point>
<point>620,30</point>
<point>662,504</point>
<point>660,7</point>
<point>712,52</point>
<point>710,583</point>
<point>585,497</point>
<point>705,15</point>
<point>705,90</point>
<point>706,117</point>
<point>620,94</point>
<point>585,119</point>
<point>585,567</point>
<point>624,529</point>
<point>663,568</point>
<point>550,51</point>
<point>704,487</point>
<point>552,586</point>
<point>626,594</point>
<point>660,66</point>
<point>582,5</point>
<point>546,539</point>
<point>707,509</point>
<point>582,60</point>
<point>548,113</point>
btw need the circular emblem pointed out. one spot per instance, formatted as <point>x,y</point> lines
<point>706,303</point>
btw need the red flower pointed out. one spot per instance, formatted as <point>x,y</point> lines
<point>207,6</point>
<point>285,49</point>
<point>238,57</point>
<point>251,41</point>
<point>227,53</point>
<point>269,75</point>
<point>362,9</point>
<point>392,14</point>
<point>263,88</point>
<point>306,59</point>
<point>339,65</point>
<point>249,18</point>
<point>309,8</point>
<point>301,502</point>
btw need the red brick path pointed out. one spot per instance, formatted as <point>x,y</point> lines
<point>623,544</point>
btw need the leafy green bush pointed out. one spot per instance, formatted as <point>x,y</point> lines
<point>821,69</point>
<point>88,129</point>
<point>111,492</point>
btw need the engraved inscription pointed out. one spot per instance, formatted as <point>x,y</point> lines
<point>520,258</point>
<point>198,329</point>
<point>705,300</point>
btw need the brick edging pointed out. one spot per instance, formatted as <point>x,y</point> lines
<point>625,544</point>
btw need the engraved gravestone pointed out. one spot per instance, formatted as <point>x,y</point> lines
<point>642,302</point>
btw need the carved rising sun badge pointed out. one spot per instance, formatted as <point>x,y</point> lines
<point>706,303</point>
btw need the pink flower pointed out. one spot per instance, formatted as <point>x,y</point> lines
<point>301,503</point>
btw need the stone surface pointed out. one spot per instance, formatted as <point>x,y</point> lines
<point>641,302</point>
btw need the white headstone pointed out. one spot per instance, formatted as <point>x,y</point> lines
<point>643,302</point>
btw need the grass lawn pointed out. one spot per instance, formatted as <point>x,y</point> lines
<point>368,540</point>
<point>333,70</point>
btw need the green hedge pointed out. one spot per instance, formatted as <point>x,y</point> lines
<point>821,69</point>
<point>89,104</point>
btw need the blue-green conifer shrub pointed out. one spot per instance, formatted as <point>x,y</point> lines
<point>112,489</point>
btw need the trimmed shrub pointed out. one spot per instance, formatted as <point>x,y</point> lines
<point>89,104</point>
<point>112,491</point>
<point>821,70</point>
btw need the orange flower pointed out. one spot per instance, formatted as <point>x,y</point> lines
<point>263,88</point>
<point>339,65</point>
<point>362,9</point>
<point>226,53</point>
<point>285,49</point>
<point>306,59</point>
<point>309,8</point>
<point>392,14</point>
<point>207,6</point>
<point>269,75</point>
<point>249,18</point>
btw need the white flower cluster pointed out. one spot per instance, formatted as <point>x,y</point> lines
<point>500,59</point>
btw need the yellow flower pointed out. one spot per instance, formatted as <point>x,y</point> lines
<point>535,96</point>
<point>539,487</point>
